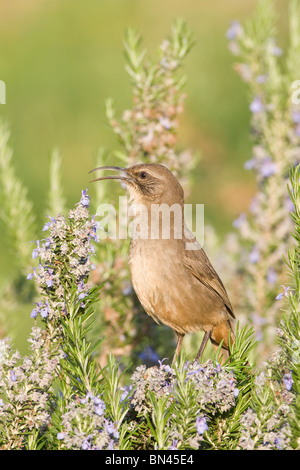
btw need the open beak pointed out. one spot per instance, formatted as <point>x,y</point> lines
<point>122,176</point>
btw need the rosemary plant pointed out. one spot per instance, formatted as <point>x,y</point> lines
<point>60,395</point>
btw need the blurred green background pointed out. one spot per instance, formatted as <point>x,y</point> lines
<point>60,60</point>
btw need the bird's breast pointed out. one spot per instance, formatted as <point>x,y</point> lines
<point>148,273</point>
<point>159,280</point>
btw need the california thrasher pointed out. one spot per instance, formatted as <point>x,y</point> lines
<point>171,274</point>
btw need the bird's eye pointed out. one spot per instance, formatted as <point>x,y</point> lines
<point>143,175</point>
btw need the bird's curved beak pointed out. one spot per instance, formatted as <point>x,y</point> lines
<point>122,176</point>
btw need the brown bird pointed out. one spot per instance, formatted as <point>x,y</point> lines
<point>171,274</point>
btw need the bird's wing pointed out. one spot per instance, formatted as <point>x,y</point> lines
<point>198,263</point>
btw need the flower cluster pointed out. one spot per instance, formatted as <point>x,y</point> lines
<point>149,130</point>
<point>85,427</point>
<point>265,424</point>
<point>211,389</point>
<point>264,234</point>
<point>24,385</point>
<point>64,259</point>
<point>264,436</point>
<point>156,379</point>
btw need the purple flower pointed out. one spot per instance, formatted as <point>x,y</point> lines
<point>80,290</point>
<point>48,224</point>
<point>84,400</point>
<point>271,276</point>
<point>233,387</point>
<point>254,255</point>
<point>60,436</point>
<point>167,368</point>
<point>201,424</point>
<point>261,79</point>
<point>85,198</point>
<point>44,313</point>
<point>256,106</point>
<point>99,404</point>
<point>47,243</point>
<point>161,363</point>
<point>250,164</point>
<point>296,117</point>
<point>165,122</point>
<point>110,445</point>
<point>35,252</point>
<point>240,220</point>
<point>275,50</point>
<point>278,443</point>
<point>13,376</point>
<point>100,408</point>
<point>288,380</point>
<point>289,204</point>
<point>44,309</point>
<point>49,281</point>
<point>88,396</point>
<point>97,400</point>
<point>127,290</point>
<point>29,276</point>
<point>174,444</point>
<point>285,293</point>
<point>234,31</point>
<point>86,445</point>
<point>111,429</point>
<point>34,313</point>
<point>36,310</point>
<point>93,231</point>
<point>268,167</point>
<point>258,321</point>
<point>125,393</point>
<point>149,355</point>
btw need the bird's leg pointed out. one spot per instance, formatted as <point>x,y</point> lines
<point>203,344</point>
<point>178,346</point>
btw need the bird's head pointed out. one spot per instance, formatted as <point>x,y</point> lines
<point>148,183</point>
